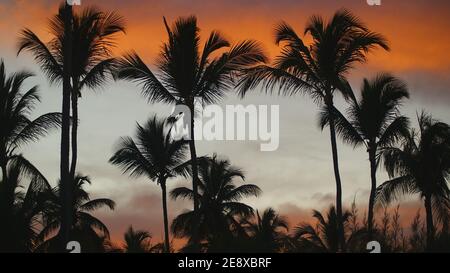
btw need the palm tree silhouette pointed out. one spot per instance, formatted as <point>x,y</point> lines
<point>421,165</point>
<point>324,238</point>
<point>156,155</point>
<point>17,129</point>
<point>80,55</point>
<point>86,228</point>
<point>373,121</point>
<point>93,38</point>
<point>268,231</point>
<point>186,73</point>
<point>318,69</point>
<point>21,210</point>
<point>16,106</point>
<point>219,202</point>
<point>138,241</point>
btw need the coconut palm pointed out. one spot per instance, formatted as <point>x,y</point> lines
<point>421,165</point>
<point>86,228</point>
<point>324,237</point>
<point>79,55</point>
<point>318,69</point>
<point>187,73</point>
<point>155,155</point>
<point>219,202</point>
<point>93,38</point>
<point>375,122</point>
<point>268,231</point>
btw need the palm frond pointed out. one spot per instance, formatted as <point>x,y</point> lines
<point>98,203</point>
<point>132,68</point>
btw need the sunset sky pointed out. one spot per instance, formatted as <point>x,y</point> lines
<point>295,178</point>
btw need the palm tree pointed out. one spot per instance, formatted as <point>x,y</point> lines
<point>16,106</point>
<point>86,228</point>
<point>93,34</point>
<point>324,237</point>
<point>186,73</point>
<point>373,121</point>
<point>138,241</point>
<point>155,155</point>
<point>21,210</point>
<point>80,55</point>
<point>269,231</point>
<point>421,165</point>
<point>219,203</point>
<point>318,69</point>
<point>17,129</point>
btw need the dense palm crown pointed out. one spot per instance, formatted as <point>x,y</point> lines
<point>22,210</point>
<point>321,67</point>
<point>139,241</point>
<point>153,153</point>
<point>16,106</point>
<point>219,201</point>
<point>86,227</point>
<point>184,71</point>
<point>93,34</point>
<point>267,231</point>
<point>324,238</point>
<point>374,120</point>
<point>421,165</point>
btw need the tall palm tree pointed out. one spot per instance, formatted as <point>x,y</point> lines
<point>79,54</point>
<point>93,34</point>
<point>318,69</point>
<point>375,122</point>
<point>155,155</point>
<point>268,231</point>
<point>187,73</point>
<point>421,165</point>
<point>219,202</point>
<point>86,228</point>
<point>324,237</point>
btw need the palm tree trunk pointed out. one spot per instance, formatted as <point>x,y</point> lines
<point>73,165</point>
<point>373,177</point>
<point>337,178</point>
<point>194,176</point>
<point>429,219</point>
<point>166,220</point>
<point>66,222</point>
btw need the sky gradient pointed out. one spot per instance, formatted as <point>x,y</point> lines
<point>296,177</point>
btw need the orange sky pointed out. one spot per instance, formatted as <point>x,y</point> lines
<point>418,32</point>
